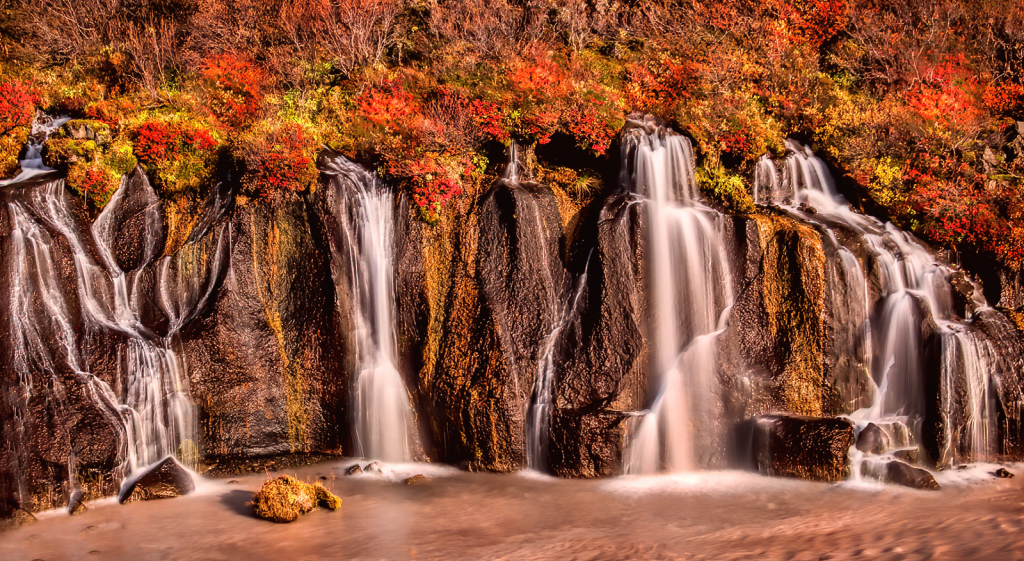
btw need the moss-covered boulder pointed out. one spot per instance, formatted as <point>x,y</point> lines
<point>285,498</point>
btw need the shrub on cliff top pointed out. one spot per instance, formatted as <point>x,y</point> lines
<point>17,106</point>
<point>284,499</point>
<point>234,88</point>
<point>276,157</point>
<point>179,155</point>
<point>93,163</point>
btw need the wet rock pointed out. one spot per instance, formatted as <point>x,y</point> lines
<point>910,456</point>
<point>374,467</point>
<point>354,470</point>
<point>794,446</point>
<point>162,480</point>
<point>232,482</point>
<point>775,350</point>
<point>1003,473</point>
<point>415,480</point>
<point>909,476</point>
<point>872,440</point>
<point>76,504</point>
<point>284,499</point>
<point>133,224</point>
<point>265,364</point>
<point>602,366</point>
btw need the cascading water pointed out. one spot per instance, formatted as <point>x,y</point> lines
<point>690,298</point>
<point>156,417</point>
<point>913,292</point>
<point>383,415</point>
<point>160,413</point>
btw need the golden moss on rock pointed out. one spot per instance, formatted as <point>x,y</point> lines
<point>285,498</point>
<point>10,148</point>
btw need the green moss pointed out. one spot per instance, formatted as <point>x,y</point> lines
<point>62,152</point>
<point>725,190</point>
<point>120,157</point>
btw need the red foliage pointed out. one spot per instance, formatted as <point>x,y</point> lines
<point>432,187</point>
<point>1005,99</point>
<point>17,105</point>
<point>948,95</point>
<point>158,141</point>
<point>488,118</point>
<point>235,88</point>
<point>389,106</point>
<point>282,160</point>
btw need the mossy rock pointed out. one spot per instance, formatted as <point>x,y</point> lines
<point>11,145</point>
<point>725,190</point>
<point>285,498</point>
<point>61,153</point>
<point>84,129</point>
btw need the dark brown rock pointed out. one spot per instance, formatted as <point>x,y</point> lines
<point>133,224</point>
<point>163,480</point>
<point>76,504</point>
<point>909,476</point>
<point>872,439</point>
<point>795,446</point>
<point>354,470</point>
<point>1003,473</point>
<point>263,354</point>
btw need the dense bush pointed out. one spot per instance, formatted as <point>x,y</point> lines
<point>179,154</point>
<point>93,160</point>
<point>915,102</point>
<point>276,157</point>
<point>17,106</point>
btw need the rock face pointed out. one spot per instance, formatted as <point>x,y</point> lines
<point>602,371</point>
<point>263,357</point>
<point>494,282</point>
<point>794,446</point>
<point>163,480</point>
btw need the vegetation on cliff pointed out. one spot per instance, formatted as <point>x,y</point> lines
<point>916,102</point>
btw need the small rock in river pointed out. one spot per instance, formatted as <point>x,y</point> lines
<point>416,479</point>
<point>76,504</point>
<point>374,467</point>
<point>353,470</point>
<point>1003,473</point>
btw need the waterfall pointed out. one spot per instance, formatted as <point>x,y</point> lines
<point>914,293</point>
<point>690,295</point>
<point>538,414</point>
<point>383,415</point>
<point>160,415</point>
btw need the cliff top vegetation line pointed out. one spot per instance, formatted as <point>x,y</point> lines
<point>918,103</point>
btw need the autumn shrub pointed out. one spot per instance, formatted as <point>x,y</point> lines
<point>179,154</point>
<point>276,157</point>
<point>17,106</point>
<point>93,161</point>
<point>234,87</point>
<point>1006,99</point>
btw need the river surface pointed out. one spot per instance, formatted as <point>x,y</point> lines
<point>457,515</point>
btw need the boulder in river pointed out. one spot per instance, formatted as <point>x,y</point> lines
<point>285,498</point>
<point>872,439</point>
<point>909,476</point>
<point>76,503</point>
<point>163,480</point>
<point>794,446</point>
